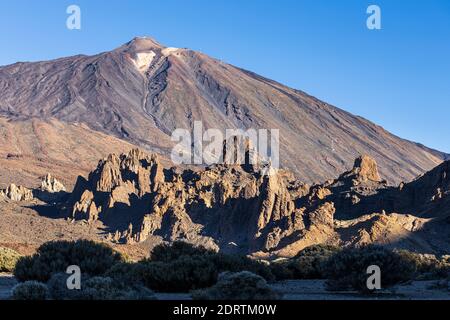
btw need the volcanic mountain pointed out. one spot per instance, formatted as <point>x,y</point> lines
<point>140,92</point>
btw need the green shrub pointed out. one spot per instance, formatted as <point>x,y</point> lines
<point>310,262</point>
<point>127,272</point>
<point>281,270</point>
<point>185,273</point>
<point>237,263</point>
<point>223,262</point>
<point>318,250</point>
<point>237,286</point>
<point>8,259</point>
<point>97,288</point>
<point>181,275</point>
<point>307,264</point>
<point>426,266</point>
<point>30,290</point>
<point>170,252</point>
<point>52,257</point>
<point>105,288</point>
<point>57,285</point>
<point>182,267</point>
<point>347,269</point>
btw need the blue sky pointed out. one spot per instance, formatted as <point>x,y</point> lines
<point>398,77</point>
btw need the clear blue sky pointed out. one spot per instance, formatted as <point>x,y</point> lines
<point>398,77</point>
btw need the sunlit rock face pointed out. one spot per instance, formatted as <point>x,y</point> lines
<point>16,193</point>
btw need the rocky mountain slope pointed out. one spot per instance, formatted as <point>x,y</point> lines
<point>236,209</point>
<point>143,90</point>
<point>29,149</point>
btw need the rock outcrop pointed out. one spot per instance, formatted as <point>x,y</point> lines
<point>237,209</point>
<point>50,190</point>
<point>365,169</point>
<point>223,206</point>
<point>51,184</point>
<point>16,193</point>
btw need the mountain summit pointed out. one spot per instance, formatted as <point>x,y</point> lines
<point>142,91</point>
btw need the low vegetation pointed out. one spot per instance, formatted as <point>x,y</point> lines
<point>97,288</point>
<point>181,267</point>
<point>8,259</point>
<point>53,257</point>
<point>307,264</point>
<point>94,288</point>
<point>242,285</point>
<point>180,275</point>
<point>426,267</point>
<point>30,290</point>
<point>347,269</point>
<point>170,252</point>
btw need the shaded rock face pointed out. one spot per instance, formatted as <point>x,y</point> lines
<point>429,194</point>
<point>16,193</point>
<point>224,206</point>
<point>237,209</point>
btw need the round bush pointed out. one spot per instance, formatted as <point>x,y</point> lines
<point>170,252</point>
<point>237,286</point>
<point>310,262</point>
<point>8,259</point>
<point>52,257</point>
<point>128,273</point>
<point>181,275</point>
<point>30,290</point>
<point>280,269</point>
<point>237,263</point>
<point>180,267</point>
<point>426,266</point>
<point>97,288</point>
<point>57,285</point>
<point>105,288</point>
<point>347,269</point>
<point>223,262</point>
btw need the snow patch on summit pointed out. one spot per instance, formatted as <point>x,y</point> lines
<point>143,60</point>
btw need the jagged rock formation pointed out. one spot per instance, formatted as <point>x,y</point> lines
<point>414,215</point>
<point>221,205</point>
<point>51,184</point>
<point>16,193</point>
<point>143,90</point>
<point>51,189</point>
<point>237,209</point>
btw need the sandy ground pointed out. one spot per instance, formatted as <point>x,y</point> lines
<point>315,290</point>
<point>304,290</point>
